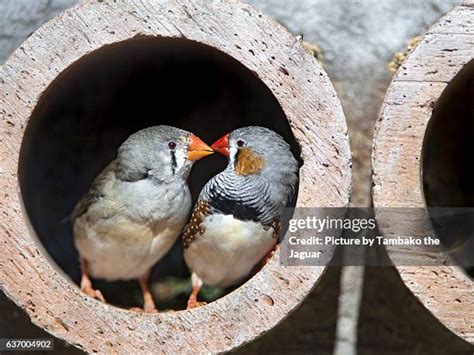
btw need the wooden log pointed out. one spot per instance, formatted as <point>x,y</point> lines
<point>398,162</point>
<point>92,50</point>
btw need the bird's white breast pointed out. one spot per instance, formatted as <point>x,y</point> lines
<point>137,233</point>
<point>228,249</point>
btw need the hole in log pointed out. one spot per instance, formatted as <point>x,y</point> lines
<point>97,102</point>
<point>448,167</point>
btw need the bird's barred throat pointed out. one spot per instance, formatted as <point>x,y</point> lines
<point>244,197</point>
<point>247,162</point>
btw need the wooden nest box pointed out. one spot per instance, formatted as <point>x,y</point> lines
<point>89,78</point>
<point>423,159</point>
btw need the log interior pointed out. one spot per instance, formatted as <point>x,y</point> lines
<point>97,102</point>
<point>448,166</point>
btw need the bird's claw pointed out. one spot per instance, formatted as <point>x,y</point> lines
<point>195,304</point>
<point>143,310</point>
<point>150,310</point>
<point>95,294</point>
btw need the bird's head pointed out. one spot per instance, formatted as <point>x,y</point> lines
<point>163,153</point>
<point>258,151</point>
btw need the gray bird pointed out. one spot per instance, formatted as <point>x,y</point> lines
<point>236,221</point>
<point>136,208</point>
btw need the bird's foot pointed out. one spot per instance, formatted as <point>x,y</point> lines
<point>192,300</point>
<point>86,283</point>
<point>143,310</point>
<point>148,302</point>
<point>195,304</point>
<point>96,294</point>
<point>150,309</point>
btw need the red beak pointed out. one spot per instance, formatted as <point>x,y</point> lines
<point>222,145</point>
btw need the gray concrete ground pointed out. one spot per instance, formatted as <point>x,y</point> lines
<point>358,39</point>
<point>19,18</point>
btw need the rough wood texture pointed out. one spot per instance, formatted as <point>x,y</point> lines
<point>446,291</point>
<point>307,98</point>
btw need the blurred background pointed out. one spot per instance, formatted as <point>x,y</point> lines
<point>367,310</point>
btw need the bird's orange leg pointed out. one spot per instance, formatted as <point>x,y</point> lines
<point>148,303</point>
<point>86,284</point>
<point>197,284</point>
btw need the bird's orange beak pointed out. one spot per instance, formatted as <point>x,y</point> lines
<point>222,145</point>
<point>197,149</point>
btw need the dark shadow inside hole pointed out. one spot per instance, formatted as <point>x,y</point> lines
<point>448,168</point>
<point>96,103</point>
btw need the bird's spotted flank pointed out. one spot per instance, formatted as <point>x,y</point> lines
<point>194,227</point>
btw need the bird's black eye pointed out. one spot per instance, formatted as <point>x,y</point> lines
<point>240,143</point>
<point>172,145</point>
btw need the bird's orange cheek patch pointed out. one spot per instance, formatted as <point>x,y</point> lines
<point>249,162</point>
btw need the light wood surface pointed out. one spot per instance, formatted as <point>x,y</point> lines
<point>441,53</point>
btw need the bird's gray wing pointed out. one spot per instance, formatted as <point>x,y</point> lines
<point>96,191</point>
